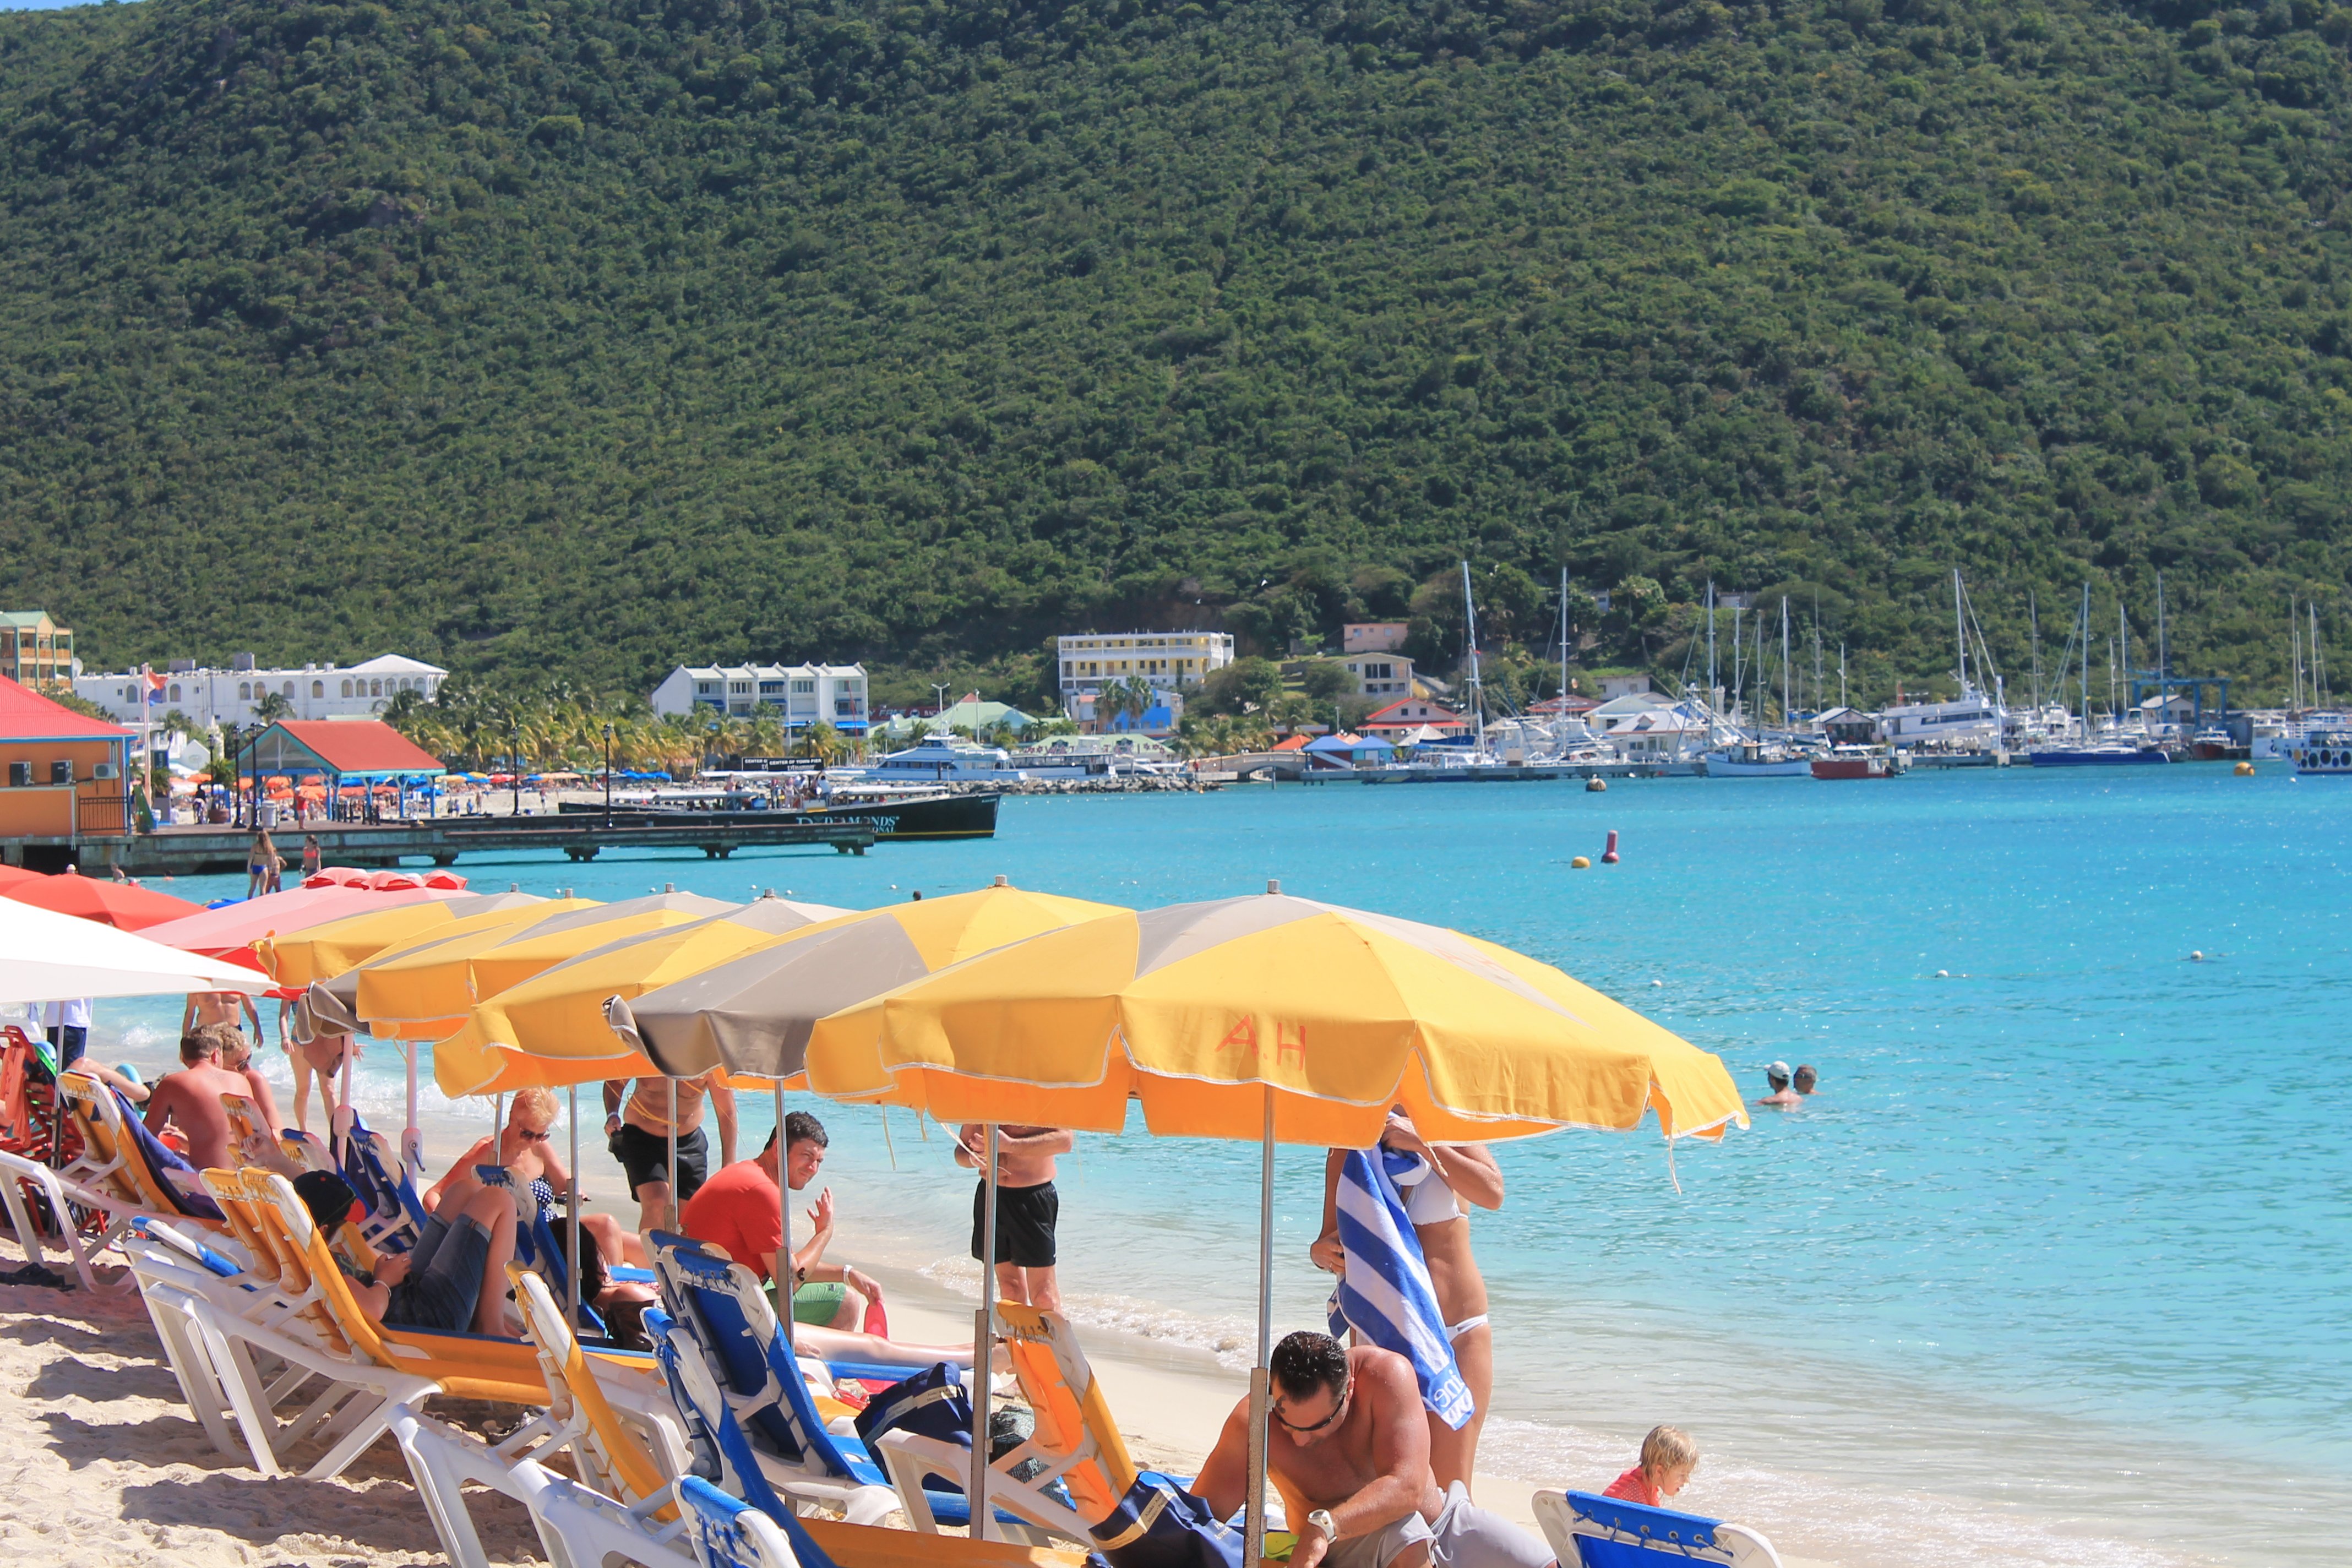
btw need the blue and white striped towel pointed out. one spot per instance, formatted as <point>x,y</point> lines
<point>1386,1295</point>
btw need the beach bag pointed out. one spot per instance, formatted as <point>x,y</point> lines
<point>1159,1524</point>
<point>930,1404</point>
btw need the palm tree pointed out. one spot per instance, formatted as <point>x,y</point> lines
<point>273,705</point>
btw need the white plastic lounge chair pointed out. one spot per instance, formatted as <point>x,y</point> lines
<point>363,1370</point>
<point>1605,1533</point>
<point>624,1503</point>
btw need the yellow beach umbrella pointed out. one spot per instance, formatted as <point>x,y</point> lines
<point>1274,1018</point>
<point>752,1015</point>
<point>550,1030</point>
<point>427,991</point>
<point>1199,1010</point>
<point>323,952</point>
<point>336,1003</point>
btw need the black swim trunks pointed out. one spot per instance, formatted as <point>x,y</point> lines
<point>1024,1223</point>
<point>645,1157</point>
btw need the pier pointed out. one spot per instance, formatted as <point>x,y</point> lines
<point>193,851</point>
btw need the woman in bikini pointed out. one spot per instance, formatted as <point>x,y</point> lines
<point>1456,1171</point>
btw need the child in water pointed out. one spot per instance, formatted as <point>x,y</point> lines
<point>1668,1458</point>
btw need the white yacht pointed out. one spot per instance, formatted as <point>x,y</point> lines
<point>938,758</point>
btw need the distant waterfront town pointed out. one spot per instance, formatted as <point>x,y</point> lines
<point>396,739</point>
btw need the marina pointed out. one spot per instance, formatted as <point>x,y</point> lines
<point>195,851</point>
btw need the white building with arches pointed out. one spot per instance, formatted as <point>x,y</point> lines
<point>235,695</point>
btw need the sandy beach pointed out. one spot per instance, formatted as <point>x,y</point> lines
<point>110,1469</point>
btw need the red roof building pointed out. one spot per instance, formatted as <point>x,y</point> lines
<point>1412,713</point>
<point>351,747</point>
<point>1572,706</point>
<point>66,776</point>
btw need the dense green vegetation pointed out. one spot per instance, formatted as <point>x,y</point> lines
<point>588,336</point>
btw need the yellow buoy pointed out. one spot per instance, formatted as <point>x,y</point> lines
<point>2244,770</point>
<point>1596,786</point>
<point>1581,863</point>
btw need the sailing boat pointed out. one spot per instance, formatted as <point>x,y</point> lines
<point>2109,753</point>
<point>1973,718</point>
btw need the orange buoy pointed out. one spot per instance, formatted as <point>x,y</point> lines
<point>1609,856</point>
<point>1581,863</point>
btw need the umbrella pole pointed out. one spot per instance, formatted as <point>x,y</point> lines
<point>983,1341</point>
<point>789,1285</point>
<point>1261,1390</point>
<point>344,1152</point>
<point>672,1083</point>
<point>412,1142</point>
<point>571,1201</point>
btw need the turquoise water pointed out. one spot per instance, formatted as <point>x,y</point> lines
<point>2056,1262</point>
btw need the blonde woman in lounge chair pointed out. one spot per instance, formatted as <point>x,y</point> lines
<point>1456,1171</point>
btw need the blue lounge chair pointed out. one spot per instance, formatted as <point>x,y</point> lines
<point>537,1250</point>
<point>395,1215</point>
<point>730,1534</point>
<point>736,1379</point>
<point>1605,1533</point>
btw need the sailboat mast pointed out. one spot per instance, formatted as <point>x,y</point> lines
<point>2293,658</point>
<point>2034,619</point>
<point>1817,651</point>
<point>1714,693</point>
<point>1784,661</point>
<point>1563,649</point>
<point>2318,659</point>
<point>1841,702</point>
<point>1470,630</point>
<point>1960,632</point>
<point>2162,668</point>
<point>2086,623</point>
<point>1738,666</point>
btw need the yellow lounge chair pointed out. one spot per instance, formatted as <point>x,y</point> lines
<point>1076,1439</point>
<point>623,1503</point>
<point>368,1369</point>
<point>113,1176</point>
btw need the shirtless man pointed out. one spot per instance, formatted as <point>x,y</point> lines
<point>1806,1079</point>
<point>636,1130</point>
<point>1465,1171</point>
<point>190,1099</point>
<point>1027,1207</point>
<point>219,1007</point>
<point>1776,1076</point>
<point>1348,1447</point>
<point>237,1056</point>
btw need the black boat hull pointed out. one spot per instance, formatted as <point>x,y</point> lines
<point>923,817</point>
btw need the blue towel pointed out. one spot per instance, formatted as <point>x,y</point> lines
<point>1386,1295</point>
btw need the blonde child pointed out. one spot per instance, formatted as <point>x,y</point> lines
<point>1668,1458</point>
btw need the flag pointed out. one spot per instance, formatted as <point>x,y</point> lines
<point>154,686</point>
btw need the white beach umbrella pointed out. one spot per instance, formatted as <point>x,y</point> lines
<point>48,957</point>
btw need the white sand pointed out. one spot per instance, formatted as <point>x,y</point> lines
<point>104,1468</point>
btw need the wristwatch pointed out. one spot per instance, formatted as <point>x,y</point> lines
<point>1322,1519</point>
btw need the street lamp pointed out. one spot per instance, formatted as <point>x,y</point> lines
<point>940,712</point>
<point>608,775</point>
<point>514,760</point>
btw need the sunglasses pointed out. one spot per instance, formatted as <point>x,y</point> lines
<point>1337,1411</point>
<point>528,1136</point>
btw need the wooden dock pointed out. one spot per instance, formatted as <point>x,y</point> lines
<point>193,851</point>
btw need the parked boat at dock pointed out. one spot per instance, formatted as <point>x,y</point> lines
<point>2115,753</point>
<point>1859,762</point>
<point>2323,752</point>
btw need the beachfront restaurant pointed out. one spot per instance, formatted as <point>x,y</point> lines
<point>67,777</point>
<point>335,754</point>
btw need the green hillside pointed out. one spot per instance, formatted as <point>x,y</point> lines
<point>583,337</point>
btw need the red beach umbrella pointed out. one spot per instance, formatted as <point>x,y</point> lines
<point>126,906</point>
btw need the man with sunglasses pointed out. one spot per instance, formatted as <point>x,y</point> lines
<point>1348,1447</point>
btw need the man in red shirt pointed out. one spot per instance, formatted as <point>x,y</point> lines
<point>741,1210</point>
